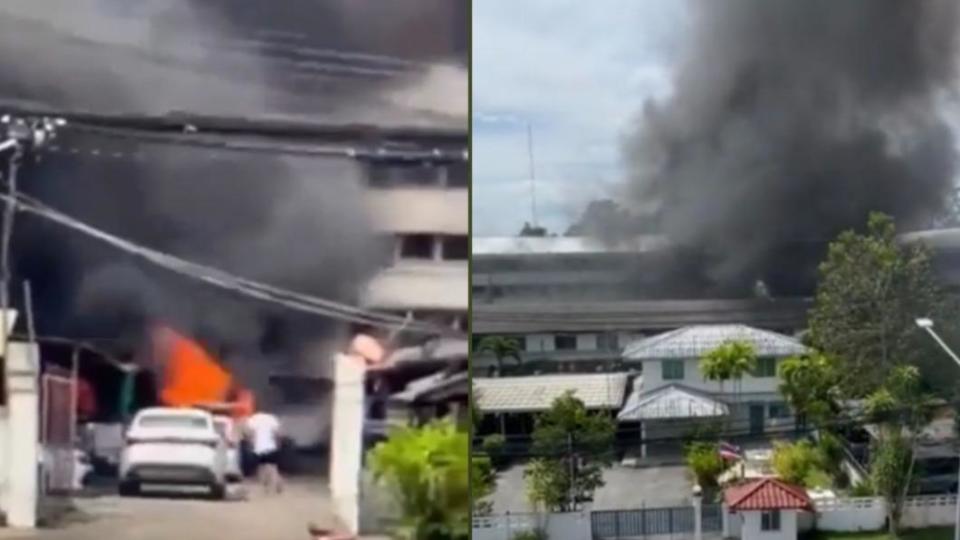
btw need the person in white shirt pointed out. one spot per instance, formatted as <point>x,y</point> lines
<point>263,430</point>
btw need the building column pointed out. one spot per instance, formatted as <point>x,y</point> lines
<point>23,449</point>
<point>697,513</point>
<point>346,439</point>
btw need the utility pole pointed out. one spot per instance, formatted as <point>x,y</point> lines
<point>21,134</point>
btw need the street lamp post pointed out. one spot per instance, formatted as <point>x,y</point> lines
<point>927,325</point>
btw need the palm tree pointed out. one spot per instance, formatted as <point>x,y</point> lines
<point>501,347</point>
<point>731,360</point>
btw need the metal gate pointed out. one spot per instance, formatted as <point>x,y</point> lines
<point>57,437</point>
<point>613,524</point>
<point>711,518</point>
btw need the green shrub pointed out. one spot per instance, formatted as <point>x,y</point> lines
<point>493,446</point>
<point>862,489</point>
<point>705,463</point>
<point>801,463</point>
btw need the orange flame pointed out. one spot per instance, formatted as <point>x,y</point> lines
<point>191,375</point>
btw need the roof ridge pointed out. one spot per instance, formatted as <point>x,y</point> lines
<point>749,492</point>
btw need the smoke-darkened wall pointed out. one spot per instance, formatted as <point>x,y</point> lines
<point>790,121</point>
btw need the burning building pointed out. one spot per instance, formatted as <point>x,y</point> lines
<point>787,123</point>
<point>290,145</point>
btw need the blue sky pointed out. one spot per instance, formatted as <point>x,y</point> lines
<point>578,74</point>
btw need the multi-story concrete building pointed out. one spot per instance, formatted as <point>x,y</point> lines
<point>572,304</point>
<point>418,199</point>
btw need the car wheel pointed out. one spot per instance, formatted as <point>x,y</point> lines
<point>218,491</point>
<point>129,488</point>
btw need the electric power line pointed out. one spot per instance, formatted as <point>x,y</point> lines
<point>224,280</point>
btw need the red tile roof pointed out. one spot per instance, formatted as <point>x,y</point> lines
<point>767,494</point>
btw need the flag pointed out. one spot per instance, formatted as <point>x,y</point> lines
<point>730,452</point>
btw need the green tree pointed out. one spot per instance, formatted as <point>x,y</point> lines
<point>426,471</point>
<point>575,445</point>
<point>809,384</point>
<point>730,360</point>
<point>705,463</point>
<point>900,409</point>
<point>871,289</point>
<point>501,347</point>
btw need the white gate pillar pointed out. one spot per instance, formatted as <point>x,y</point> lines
<point>697,513</point>
<point>23,442</point>
<point>346,439</point>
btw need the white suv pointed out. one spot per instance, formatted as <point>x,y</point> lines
<point>173,446</point>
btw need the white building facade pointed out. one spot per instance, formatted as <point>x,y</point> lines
<point>674,399</point>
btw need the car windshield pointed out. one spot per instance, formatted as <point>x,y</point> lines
<point>173,421</point>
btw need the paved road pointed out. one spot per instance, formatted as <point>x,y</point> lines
<point>259,517</point>
<point>624,488</point>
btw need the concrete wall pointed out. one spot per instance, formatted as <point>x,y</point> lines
<point>752,521</point>
<point>567,526</point>
<point>417,285</point>
<point>693,378</point>
<point>869,513</point>
<point>919,512</point>
<point>854,514</point>
<point>420,210</point>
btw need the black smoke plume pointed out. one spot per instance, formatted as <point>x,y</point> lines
<point>294,222</point>
<point>790,121</point>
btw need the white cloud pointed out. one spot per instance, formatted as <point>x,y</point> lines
<point>577,72</point>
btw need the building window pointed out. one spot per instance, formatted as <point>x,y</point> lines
<point>770,520</point>
<point>388,174</point>
<point>456,248</point>
<point>779,410</point>
<point>608,342</point>
<point>766,367</point>
<point>565,343</point>
<point>672,370</point>
<point>416,246</point>
<point>458,174</point>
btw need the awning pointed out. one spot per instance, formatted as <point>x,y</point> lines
<point>671,402</point>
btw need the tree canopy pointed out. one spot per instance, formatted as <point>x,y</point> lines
<point>871,290</point>
<point>574,446</point>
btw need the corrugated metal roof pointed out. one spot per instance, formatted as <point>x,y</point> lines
<point>431,384</point>
<point>695,341</point>
<point>533,317</point>
<point>767,494</point>
<point>561,245</point>
<point>436,349</point>
<point>668,402</point>
<point>538,392</point>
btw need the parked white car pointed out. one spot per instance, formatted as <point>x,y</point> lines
<point>172,446</point>
<point>230,432</point>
